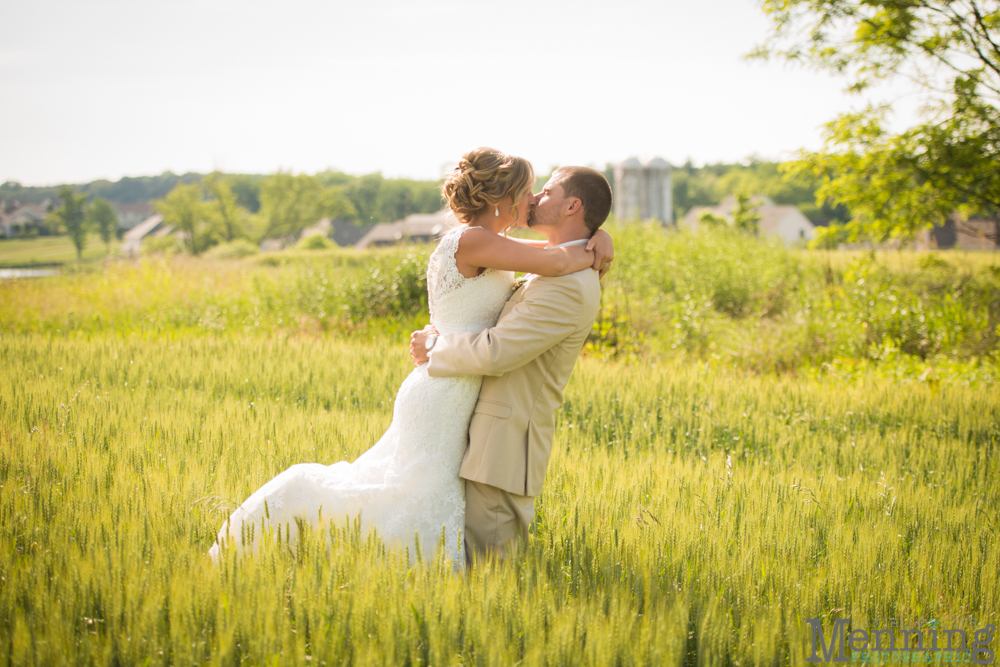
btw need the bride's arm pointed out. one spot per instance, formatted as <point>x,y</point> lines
<point>479,248</point>
<point>600,243</point>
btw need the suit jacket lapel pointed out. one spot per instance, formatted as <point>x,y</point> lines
<point>515,298</point>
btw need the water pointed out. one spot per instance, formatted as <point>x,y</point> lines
<point>27,273</point>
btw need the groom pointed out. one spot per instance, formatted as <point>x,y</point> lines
<point>527,359</point>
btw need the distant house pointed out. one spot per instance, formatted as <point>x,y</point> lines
<point>22,216</point>
<point>151,227</point>
<point>786,221</point>
<point>972,234</point>
<point>418,228</point>
<point>130,215</point>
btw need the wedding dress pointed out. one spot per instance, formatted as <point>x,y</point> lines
<point>407,484</point>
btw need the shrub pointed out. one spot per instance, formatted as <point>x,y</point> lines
<point>237,249</point>
<point>394,285</point>
<point>163,245</point>
<point>314,242</point>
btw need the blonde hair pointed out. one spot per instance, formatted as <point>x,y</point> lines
<point>483,178</point>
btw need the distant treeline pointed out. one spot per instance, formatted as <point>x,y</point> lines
<point>379,199</point>
<point>374,197</point>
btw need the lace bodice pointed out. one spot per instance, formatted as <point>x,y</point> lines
<point>458,303</point>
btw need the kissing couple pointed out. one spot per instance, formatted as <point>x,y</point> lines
<point>472,425</point>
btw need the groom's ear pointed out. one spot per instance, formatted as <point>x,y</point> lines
<point>573,206</point>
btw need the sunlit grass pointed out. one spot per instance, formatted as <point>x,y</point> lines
<point>52,250</point>
<point>690,516</point>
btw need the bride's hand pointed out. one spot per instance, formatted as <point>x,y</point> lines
<point>604,251</point>
<point>418,348</point>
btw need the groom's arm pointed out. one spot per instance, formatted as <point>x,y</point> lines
<point>550,310</point>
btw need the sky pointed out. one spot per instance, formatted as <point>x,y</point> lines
<point>107,88</point>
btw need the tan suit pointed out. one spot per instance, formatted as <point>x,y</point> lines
<point>527,359</point>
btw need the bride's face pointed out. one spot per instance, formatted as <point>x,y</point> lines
<point>525,209</point>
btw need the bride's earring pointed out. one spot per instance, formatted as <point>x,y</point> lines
<point>497,212</point>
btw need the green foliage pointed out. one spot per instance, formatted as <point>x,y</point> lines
<point>185,209</point>
<point>723,297</point>
<point>712,220</point>
<point>290,203</point>
<point>246,188</point>
<point>101,216</point>
<point>899,184</point>
<point>393,285</point>
<point>237,249</point>
<point>745,217</point>
<point>71,216</point>
<point>223,209</point>
<point>315,242</point>
<point>130,190</point>
<point>373,197</point>
<point>893,183</point>
<point>690,515</point>
<point>377,199</point>
<point>171,244</point>
<point>710,184</point>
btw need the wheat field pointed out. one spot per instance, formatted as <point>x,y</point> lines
<point>692,515</point>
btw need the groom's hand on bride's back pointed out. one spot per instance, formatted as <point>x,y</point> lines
<point>418,344</point>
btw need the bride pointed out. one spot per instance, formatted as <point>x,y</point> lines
<point>407,485</point>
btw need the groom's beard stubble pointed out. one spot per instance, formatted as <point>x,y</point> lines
<point>535,221</point>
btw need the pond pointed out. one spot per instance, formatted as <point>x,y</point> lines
<point>27,273</point>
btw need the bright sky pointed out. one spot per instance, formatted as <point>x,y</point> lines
<point>109,88</point>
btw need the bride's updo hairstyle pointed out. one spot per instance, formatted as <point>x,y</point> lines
<point>484,178</point>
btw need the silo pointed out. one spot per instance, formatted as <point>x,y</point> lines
<point>628,181</point>
<point>659,190</point>
<point>643,190</point>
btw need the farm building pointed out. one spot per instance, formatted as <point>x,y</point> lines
<point>151,227</point>
<point>418,228</point>
<point>21,217</point>
<point>644,190</point>
<point>786,221</point>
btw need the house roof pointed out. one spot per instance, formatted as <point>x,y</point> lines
<point>429,225</point>
<point>631,163</point>
<point>771,214</point>
<point>135,208</point>
<point>27,212</point>
<point>143,228</point>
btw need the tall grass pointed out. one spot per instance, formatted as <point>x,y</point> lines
<point>721,297</point>
<point>690,516</point>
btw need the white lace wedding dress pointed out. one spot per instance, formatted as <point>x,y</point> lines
<point>407,484</point>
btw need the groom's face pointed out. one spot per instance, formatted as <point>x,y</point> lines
<point>549,204</point>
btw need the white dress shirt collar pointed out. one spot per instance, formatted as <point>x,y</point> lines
<point>569,243</point>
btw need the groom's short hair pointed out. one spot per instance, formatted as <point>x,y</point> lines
<point>592,189</point>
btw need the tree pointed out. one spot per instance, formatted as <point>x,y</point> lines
<point>229,218</point>
<point>898,184</point>
<point>289,204</point>
<point>101,215</point>
<point>364,194</point>
<point>745,216</point>
<point>184,208</point>
<point>70,215</point>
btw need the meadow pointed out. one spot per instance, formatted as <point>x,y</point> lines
<point>736,454</point>
<point>52,251</point>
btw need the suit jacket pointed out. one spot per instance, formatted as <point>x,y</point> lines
<point>527,359</point>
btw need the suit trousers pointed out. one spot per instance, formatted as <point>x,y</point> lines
<point>495,520</point>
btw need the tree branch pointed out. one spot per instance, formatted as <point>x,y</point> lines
<point>982,27</point>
